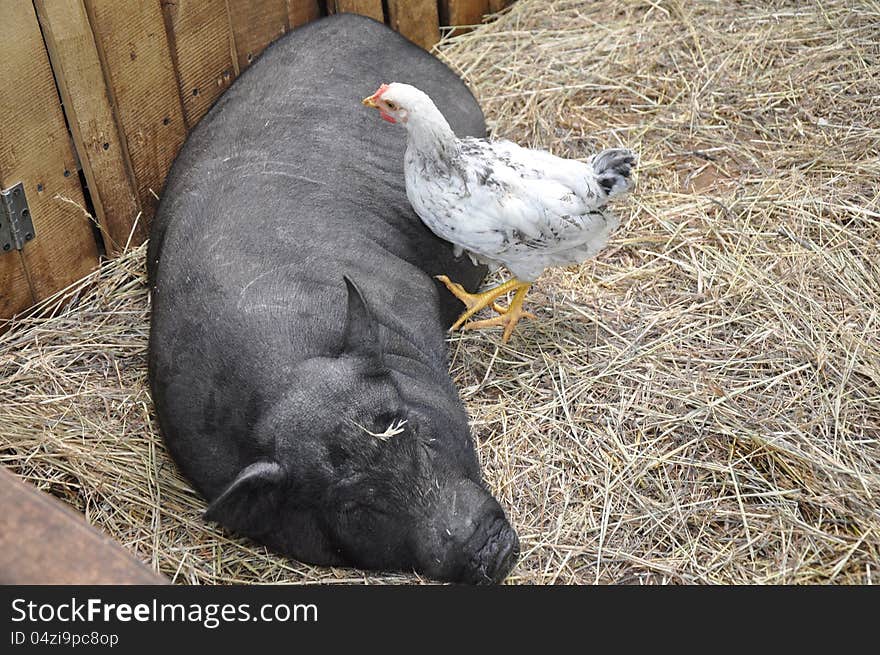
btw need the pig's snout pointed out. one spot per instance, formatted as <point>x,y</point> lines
<point>494,548</point>
<point>469,540</point>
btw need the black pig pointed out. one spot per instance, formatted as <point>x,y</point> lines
<point>297,356</point>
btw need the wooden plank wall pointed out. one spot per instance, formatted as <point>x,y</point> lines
<point>202,51</point>
<point>255,25</point>
<point>80,77</point>
<point>417,20</point>
<point>464,12</point>
<point>371,8</point>
<point>35,149</point>
<point>133,78</point>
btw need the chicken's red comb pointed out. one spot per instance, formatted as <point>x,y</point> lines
<point>382,89</point>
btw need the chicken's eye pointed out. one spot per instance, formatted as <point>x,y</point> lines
<point>391,105</point>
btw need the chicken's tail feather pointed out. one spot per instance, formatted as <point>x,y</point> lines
<point>613,169</point>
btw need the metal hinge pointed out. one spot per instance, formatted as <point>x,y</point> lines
<point>16,227</point>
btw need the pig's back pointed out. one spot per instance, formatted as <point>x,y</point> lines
<point>289,182</point>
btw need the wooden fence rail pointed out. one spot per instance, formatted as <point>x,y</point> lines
<point>43,541</point>
<point>97,96</point>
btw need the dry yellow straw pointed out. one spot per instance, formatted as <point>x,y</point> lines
<point>700,404</point>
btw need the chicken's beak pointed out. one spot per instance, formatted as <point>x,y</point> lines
<point>373,101</point>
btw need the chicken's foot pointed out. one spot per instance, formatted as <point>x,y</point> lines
<point>477,301</point>
<point>508,319</point>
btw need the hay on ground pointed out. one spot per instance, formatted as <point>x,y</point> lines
<point>700,404</point>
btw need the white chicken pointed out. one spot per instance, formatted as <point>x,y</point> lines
<point>501,203</point>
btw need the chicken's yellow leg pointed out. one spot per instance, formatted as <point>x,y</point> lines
<point>510,316</point>
<point>508,319</point>
<point>477,301</point>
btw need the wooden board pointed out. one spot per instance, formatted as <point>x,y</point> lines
<point>371,8</point>
<point>300,12</point>
<point>137,63</point>
<point>255,24</point>
<point>42,541</point>
<point>417,20</point>
<point>80,80</point>
<point>203,53</point>
<point>15,289</point>
<point>35,149</point>
<point>463,12</point>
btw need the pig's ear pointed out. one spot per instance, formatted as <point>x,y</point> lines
<point>361,331</point>
<point>245,503</point>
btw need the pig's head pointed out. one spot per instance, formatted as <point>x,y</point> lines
<point>373,469</point>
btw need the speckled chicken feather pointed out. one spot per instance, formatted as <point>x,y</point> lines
<point>504,204</point>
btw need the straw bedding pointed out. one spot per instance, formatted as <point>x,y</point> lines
<point>700,404</point>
